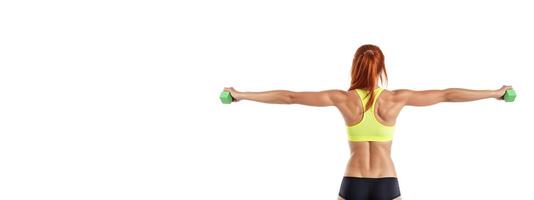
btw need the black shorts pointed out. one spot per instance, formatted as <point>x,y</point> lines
<point>364,188</point>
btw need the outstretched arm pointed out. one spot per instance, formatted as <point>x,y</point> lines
<point>431,97</point>
<point>320,98</point>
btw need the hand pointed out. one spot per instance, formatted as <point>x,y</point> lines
<point>234,93</point>
<point>500,92</point>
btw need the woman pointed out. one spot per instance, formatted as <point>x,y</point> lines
<point>370,173</point>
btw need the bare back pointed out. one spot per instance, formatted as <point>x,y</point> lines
<point>369,158</point>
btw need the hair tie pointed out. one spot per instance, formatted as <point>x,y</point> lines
<point>370,52</point>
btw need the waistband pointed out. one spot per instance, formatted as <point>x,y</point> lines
<point>370,178</point>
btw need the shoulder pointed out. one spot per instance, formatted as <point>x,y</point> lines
<point>337,94</point>
<point>401,94</point>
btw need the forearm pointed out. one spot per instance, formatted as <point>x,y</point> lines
<point>272,96</point>
<point>461,95</point>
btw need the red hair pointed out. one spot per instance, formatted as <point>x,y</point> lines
<point>367,67</point>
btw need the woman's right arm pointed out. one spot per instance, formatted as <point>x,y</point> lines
<point>431,97</point>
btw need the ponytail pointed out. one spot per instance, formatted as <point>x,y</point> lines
<point>367,66</point>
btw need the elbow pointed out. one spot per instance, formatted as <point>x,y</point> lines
<point>288,98</point>
<point>452,95</point>
<point>447,95</point>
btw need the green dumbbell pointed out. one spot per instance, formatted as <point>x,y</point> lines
<point>509,95</point>
<point>225,97</point>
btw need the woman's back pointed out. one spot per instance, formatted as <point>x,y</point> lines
<point>371,158</point>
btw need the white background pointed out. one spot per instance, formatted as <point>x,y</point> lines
<point>119,99</point>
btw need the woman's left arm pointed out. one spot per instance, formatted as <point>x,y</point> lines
<point>320,98</point>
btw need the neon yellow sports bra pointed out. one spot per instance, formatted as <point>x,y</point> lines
<point>369,129</point>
